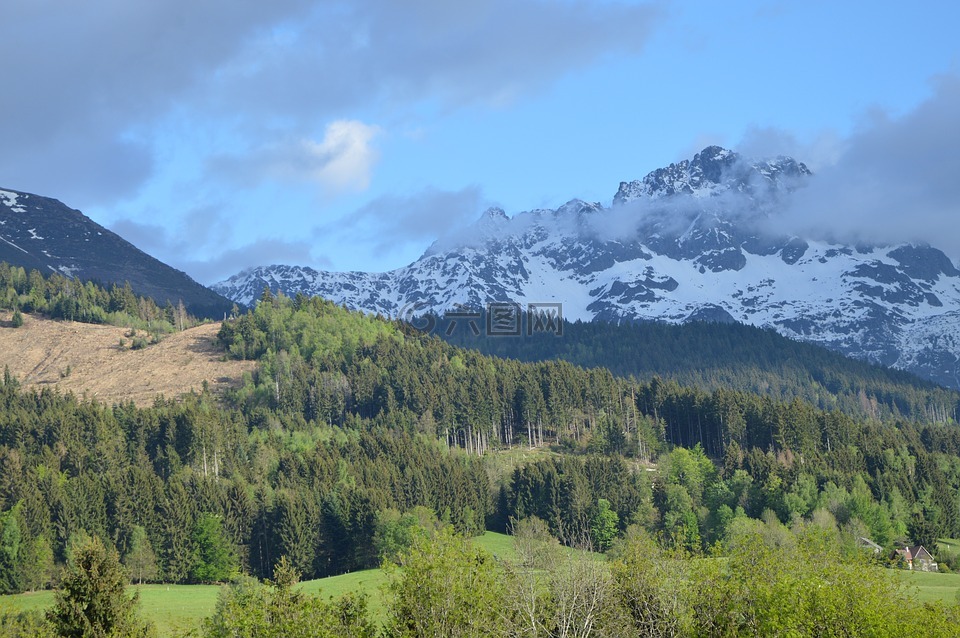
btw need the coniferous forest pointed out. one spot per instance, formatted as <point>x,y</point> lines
<point>357,435</point>
<point>721,355</point>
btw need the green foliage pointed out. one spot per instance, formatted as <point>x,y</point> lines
<point>563,491</point>
<point>713,356</point>
<point>650,585</point>
<point>214,559</point>
<point>605,526</point>
<point>804,586</point>
<point>352,420</point>
<point>92,602</point>
<point>10,542</point>
<point>17,321</point>
<point>25,624</point>
<point>536,547</point>
<point>36,563</point>
<point>771,581</point>
<point>395,532</point>
<point>247,608</point>
<point>141,560</point>
<point>447,587</point>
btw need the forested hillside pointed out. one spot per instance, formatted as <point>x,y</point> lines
<point>68,298</point>
<point>711,355</point>
<point>355,430</point>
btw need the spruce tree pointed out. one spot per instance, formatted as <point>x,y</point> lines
<point>92,600</point>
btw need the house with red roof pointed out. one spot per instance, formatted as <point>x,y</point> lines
<point>917,558</point>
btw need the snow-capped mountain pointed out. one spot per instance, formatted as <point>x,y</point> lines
<point>40,233</point>
<point>698,240</point>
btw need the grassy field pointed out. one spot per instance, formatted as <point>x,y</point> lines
<point>177,610</point>
<point>174,609</point>
<point>951,544</point>
<point>931,587</point>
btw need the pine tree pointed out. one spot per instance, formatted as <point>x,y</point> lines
<point>92,601</point>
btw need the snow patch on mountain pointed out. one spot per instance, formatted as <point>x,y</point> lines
<point>10,200</point>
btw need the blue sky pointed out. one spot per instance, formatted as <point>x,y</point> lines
<point>224,134</point>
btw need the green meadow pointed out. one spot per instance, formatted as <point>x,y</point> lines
<point>931,586</point>
<point>179,610</point>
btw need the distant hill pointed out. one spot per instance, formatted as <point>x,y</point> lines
<point>44,234</point>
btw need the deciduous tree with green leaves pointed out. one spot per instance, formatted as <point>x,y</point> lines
<point>604,526</point>
<point>141,560</point>
<point>448,588</point>
<point>214,559</point>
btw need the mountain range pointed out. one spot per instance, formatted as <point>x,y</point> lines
<point>44,234</point>
<point>702,239</point>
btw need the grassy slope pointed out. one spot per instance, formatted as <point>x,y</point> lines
<point>177,609</point>
<point>931,587</point>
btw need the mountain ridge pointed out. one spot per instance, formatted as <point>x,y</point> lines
<point>42,233</point>
<point>701,238</point>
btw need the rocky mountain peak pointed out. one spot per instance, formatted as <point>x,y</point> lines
<point>712,171</point>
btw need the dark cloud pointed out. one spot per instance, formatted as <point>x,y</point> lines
<point>78,171</point>
<point>352,53</point>
<point>206,232</point>
<point>896,180</point>
<point>78,78</point>
<point>262,252</point>
<point>390,223</point>
<point>86,86</point>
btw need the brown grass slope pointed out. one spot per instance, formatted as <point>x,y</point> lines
<point>88,360</point>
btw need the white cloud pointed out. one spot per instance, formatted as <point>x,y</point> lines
<point>344,159</point>
<point>825,149</point>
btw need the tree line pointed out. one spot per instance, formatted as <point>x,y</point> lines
<point>768,580</point>
<point>188,492</point>
<point>368,369</point>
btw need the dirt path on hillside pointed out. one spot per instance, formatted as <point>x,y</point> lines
<point>88,360</point>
